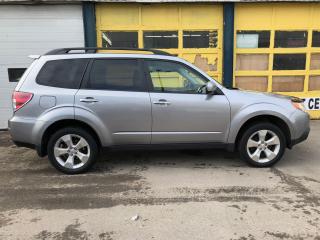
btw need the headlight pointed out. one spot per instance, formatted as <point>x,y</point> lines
<point>299,105</point>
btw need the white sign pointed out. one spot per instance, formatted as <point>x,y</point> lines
<point>312,103</point>
<point>247,40</point>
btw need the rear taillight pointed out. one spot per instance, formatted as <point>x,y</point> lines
<point>19,99</point>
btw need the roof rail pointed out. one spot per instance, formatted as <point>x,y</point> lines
<point>94,50</point>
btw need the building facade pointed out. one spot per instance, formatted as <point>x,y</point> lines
<point>261,46</point>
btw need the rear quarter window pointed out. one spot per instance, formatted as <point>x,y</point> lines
<point>64,73</point>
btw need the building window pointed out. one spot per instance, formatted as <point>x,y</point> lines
<point>288,39</point>
<point>253,39</point>
<point>316,39</point>
<point>120,39</point>
<point>200,39</point>
<point>289,61</point>
<point>160,39</point>
<point>15,74</point>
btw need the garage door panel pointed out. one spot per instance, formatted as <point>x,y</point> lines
<point>201,16</point>
<point>5,114</point>
<point>152,15</point>
<point>207,62</point>
<point>27,24</point>
<point>247,17</point>
<point>117,15</point>
<point>5,97</point>
<point>284,14</point>
<point>45,36</point>
<point>41,12</point>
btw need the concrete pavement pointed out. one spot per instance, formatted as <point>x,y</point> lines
<point>176,194</point>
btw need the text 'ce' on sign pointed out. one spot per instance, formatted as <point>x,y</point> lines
<point>312,103</point>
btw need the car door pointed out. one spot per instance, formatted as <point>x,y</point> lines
<point>181,110</point>
<point>114,92</point>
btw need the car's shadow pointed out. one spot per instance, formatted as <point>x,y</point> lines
<point>170,158</point>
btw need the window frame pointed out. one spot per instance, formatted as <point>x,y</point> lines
<point>150,84</point>
<point>86,77</point>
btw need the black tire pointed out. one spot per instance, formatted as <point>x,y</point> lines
<point>75,132</point>
<point>249,133</point>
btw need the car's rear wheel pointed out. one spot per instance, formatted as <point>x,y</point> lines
<point>262,145</point>
<point>72,150</point>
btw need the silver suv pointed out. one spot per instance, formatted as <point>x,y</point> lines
<point>71,103</point>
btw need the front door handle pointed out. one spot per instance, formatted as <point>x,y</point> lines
<point>162,102</point>
<point>88,100</point>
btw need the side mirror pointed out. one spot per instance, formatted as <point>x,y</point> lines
<point>211,88</point>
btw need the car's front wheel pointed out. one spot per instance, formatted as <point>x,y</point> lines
<point>262,145</point>
<point>72,150</point>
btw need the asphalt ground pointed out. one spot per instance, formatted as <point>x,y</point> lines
<point>185,194</point>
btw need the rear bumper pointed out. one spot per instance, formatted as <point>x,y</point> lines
<point>21,131</point>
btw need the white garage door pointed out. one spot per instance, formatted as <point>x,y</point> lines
<point>27,30</point>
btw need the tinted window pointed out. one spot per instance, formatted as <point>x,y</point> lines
<point>253,39</point>
<point>286,39</point>
<point>289,61</point>
<point>316,39</point>
<point>160,39</point>
<point>15,74</point>
<point>168,76</point>
<point>200,39</point>
<point>115,74</point>
<point>120,39</point>
<point>66,73</point>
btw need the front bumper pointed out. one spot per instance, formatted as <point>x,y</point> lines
<point>301,125</point>
<point>300,139</point>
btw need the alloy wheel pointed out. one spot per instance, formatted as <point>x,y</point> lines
<point>263,146</point>
<point>71,151</point>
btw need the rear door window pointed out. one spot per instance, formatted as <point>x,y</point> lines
<point>63,73</point>
<point>116,74</point>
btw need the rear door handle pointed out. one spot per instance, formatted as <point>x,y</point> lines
<point>163,102</point>
<point>88,100</point>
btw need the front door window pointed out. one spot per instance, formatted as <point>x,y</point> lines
<point>167,76</point>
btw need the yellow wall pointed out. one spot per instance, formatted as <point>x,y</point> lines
<point>280,16</point>
<point>177,17</point>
